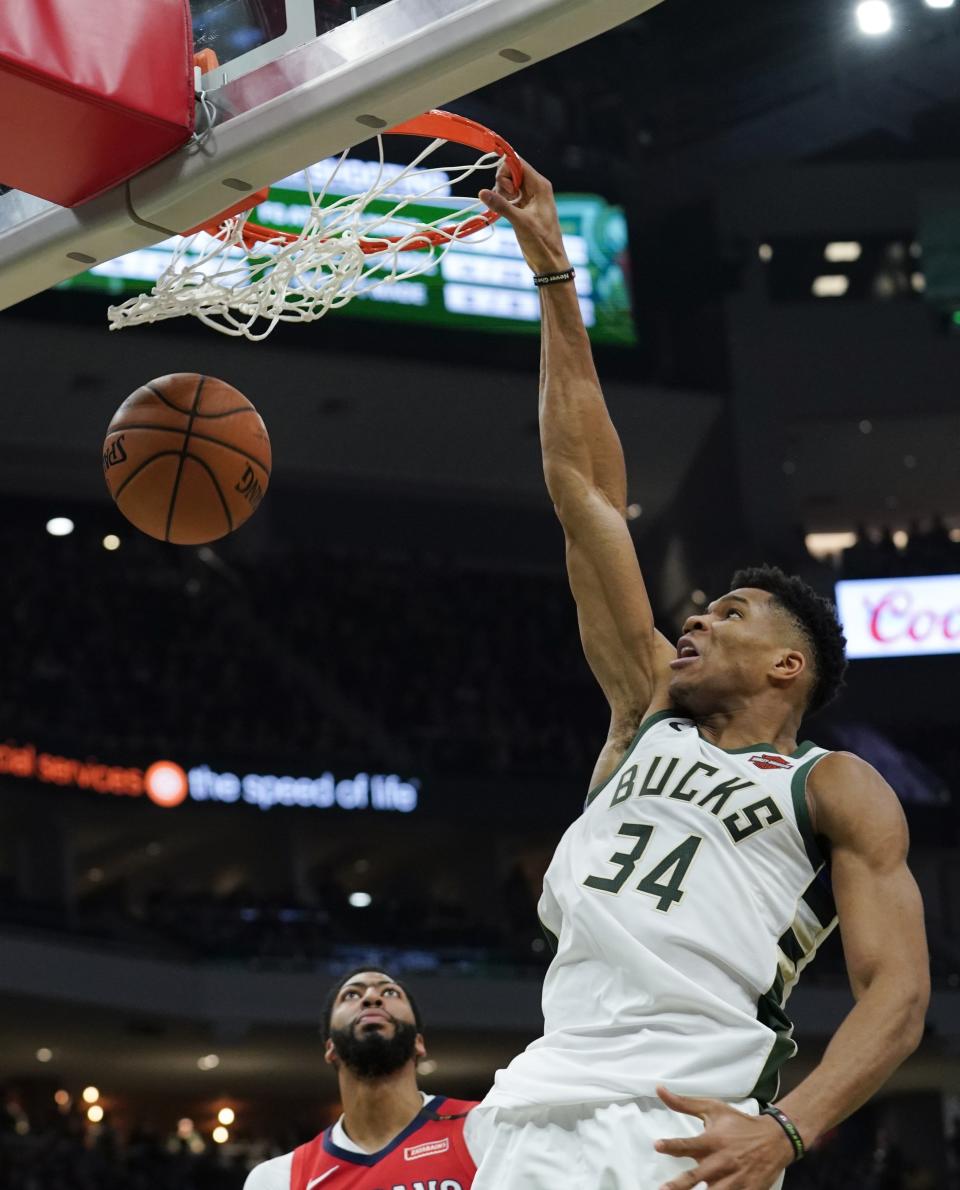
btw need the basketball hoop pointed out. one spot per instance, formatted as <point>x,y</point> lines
<point>232,274</point>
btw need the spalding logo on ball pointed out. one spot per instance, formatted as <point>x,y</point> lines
<point>187,458</point>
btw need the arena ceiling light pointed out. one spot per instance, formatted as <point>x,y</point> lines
<point>59,526</point>
<point>825,546</point>
<point>830,286</point>
<point>939,3</point>
<point>875,17</point>
<point>843,252</point>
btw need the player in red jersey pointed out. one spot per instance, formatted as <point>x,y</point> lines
<point>391,1136</point>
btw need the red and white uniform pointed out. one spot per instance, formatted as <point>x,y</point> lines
<point>429,1154</point>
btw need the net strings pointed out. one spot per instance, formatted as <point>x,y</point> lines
<point>246,291</point>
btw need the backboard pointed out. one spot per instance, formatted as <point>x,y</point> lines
<point>297,81</point>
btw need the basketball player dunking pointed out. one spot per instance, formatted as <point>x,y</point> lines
<point>391,1135</point>
<point>713,856</point>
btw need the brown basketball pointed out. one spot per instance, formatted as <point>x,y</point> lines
<point>187,458</point>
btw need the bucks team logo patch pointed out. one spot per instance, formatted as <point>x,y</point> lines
<point>432,1148</point>
<point>764,761</point>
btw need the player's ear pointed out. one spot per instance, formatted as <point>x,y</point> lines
<point>420,1048</point>
<point>790,666</point>
<point>330,1055</point>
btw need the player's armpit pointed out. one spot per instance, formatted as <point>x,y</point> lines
<point>619,737</point>
<point>627,655</point>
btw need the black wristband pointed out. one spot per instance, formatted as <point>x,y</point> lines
<point>799,1148</point>
<point>541,279</point>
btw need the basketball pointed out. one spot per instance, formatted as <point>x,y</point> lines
<point>187,458</point>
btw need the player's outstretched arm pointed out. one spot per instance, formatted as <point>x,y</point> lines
<point>881,920</point>
<point>586,478</point>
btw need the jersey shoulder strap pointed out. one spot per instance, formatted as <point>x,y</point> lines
<point>439,1123</point>
<point>308,1162</point>
<point>449,1109</point>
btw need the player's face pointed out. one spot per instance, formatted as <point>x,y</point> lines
<point>373,1030</point>
<point>728,652</point>
<point>371,1003</point>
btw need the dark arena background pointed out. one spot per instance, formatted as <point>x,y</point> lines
<point>371,701</point>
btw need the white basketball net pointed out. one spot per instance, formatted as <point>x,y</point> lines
<point>246,291</point>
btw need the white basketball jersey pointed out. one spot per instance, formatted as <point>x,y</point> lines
<point>684,903</point>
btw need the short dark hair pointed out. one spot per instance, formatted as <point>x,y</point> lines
<point>815,617</point>
<point>330,1001</point>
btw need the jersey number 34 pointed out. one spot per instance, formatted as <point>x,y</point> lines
<point>664,881</point>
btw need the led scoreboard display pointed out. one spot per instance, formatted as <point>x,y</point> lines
<point>481,283</point>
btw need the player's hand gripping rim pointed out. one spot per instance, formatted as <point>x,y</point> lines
<point>734,1152</point>
<point>533,213</point>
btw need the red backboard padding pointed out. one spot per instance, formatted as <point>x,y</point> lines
<point>92,92</point>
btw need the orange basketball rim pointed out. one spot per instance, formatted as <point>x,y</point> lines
<point>432,125</point>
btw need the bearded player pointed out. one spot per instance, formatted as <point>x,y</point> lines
<point>713,856</point>
<point>391,1135</point>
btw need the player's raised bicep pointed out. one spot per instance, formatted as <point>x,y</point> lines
<point>627,655</point>
<point>878,902</point>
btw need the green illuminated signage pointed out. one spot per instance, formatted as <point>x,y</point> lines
<point>482,283</point>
